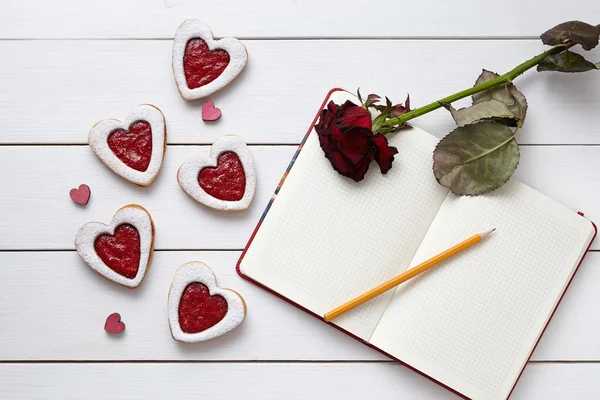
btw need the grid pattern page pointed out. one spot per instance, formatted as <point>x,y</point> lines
<point>335,238</point>
<point>473,314</point>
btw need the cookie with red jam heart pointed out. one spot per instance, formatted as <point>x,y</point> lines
<point>134,148</point>
<point>200,310</point>
<point>120,251</point>
<point>203,65</point>
<point>226,180</point>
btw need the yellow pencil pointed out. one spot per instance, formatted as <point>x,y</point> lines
<point>406,275</point>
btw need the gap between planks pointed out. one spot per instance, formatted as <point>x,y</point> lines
<point>272,144</point>
<point>276,362</point>
<point>155,250</point>
<point>301,38</point>
<point>81,144</point>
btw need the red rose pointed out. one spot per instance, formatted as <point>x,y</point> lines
<point>348,142</point>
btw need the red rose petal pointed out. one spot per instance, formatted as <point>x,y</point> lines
<point>349,144</point>
<point>121,251</point>
<point>384,153</point>
<point>134,146</point>
<point>355,144</point>
<point>226,181</point>
<point>360,169</point>
<point>354,116</point>
<point>201,66</point>
<point>198,310</point>
<point>331,106</point>
<point>349,153</point>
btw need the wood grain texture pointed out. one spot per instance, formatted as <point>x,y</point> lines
<point>72,303</point>
<point>38,213</point>
<point>54,91</point>
<point>287,18</point>
<point>37,189</point>
<point>53,307</point>
<point>270,381</point>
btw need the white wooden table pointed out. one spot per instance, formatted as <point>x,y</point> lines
<point>65,64</point>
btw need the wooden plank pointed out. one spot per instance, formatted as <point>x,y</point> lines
<point>270,381</point>
<point>37,189</point>
<point>54,308</point>
<point>60,306</point>
<point>37,180</point>
<point>312,18</point>
<point>572,333</point>
<point>54,91</point>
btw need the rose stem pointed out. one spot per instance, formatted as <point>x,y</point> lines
<point>501,80</point>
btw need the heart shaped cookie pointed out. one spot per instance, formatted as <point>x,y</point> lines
<point>198,309</point>
<point>226,180</point>
<point>120,251</point>
<point>134,148</point>
<point>203,65</point>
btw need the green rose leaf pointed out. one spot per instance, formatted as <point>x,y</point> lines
<point>566,62</point>
<point>508,94</point>
<point>476,159</point>
<point>579,32</point>
<point>484,110</point>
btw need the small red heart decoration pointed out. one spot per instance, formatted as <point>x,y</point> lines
<point>198,310</point>
<point>133,146</point>
<point>202,65</point>
<point>81,195</point>
<point>226,181</point>
<point>121,251</point>
<point>114,324</point>
<point>210,112</point>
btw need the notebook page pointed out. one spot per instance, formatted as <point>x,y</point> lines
<point>327,239</point>
<point>472,322</point>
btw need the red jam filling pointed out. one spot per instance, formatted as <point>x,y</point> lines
<point>226,181</point>
<point>121,251</point>
<point>201,65</point>
<point>134,146</point>
<point>198,310</point>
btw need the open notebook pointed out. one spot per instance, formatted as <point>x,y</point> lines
<point>471,323</point>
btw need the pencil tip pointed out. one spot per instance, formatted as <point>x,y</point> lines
<point>487,233</point>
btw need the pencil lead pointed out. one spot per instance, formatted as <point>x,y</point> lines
<point>487,233</point>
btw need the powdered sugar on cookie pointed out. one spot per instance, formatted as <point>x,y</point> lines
<point>120,251</point>
<point>134,148</point>
<point>203,65</point>
<point>198,309</point>
<point>226,180</point>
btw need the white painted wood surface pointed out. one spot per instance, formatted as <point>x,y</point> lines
<point>280,89</point>
<point>273,330</point>
<point>287,18</point>
<point>290,381</point>
<point>37,189</point>
<point>52,306</point>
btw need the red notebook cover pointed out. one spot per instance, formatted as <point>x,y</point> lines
<point>320,317</point>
